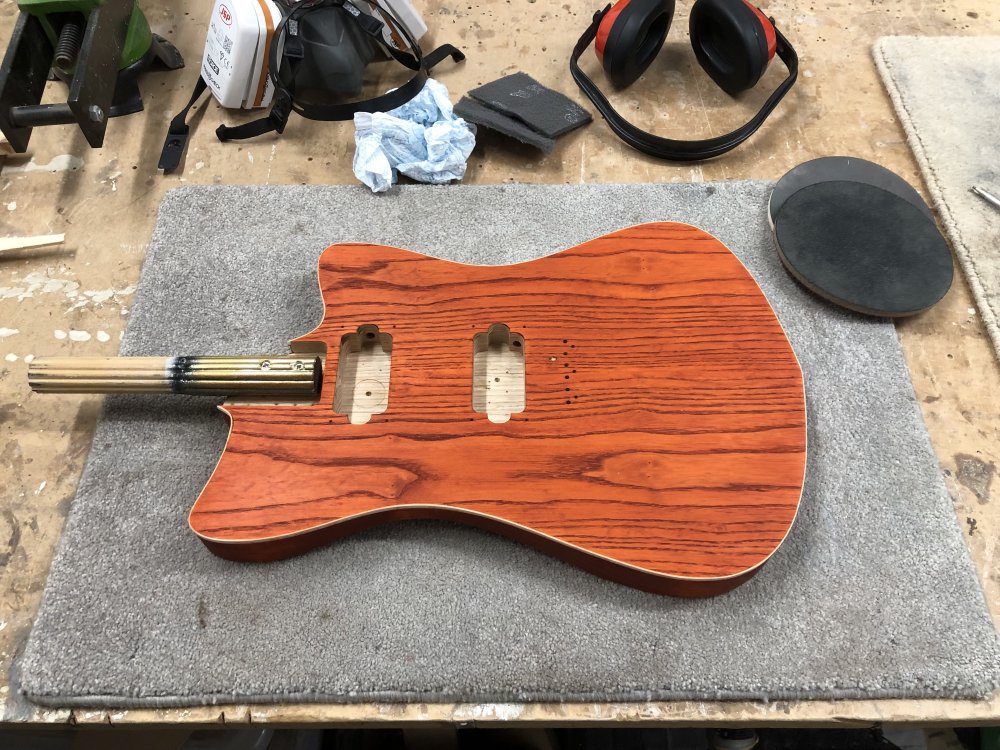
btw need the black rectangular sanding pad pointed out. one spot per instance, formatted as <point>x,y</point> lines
<point>473,111</point>
<point>541,109</point>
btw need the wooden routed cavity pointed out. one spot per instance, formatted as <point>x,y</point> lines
<point>662,441</point>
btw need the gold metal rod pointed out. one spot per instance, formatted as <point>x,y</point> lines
<point>204,376</point>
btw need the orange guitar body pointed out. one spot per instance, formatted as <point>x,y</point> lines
<point>662,442</point>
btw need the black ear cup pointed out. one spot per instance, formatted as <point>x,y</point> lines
<point>630,36</point>
<point>733,42</point>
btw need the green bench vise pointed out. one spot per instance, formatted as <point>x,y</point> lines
<point>97,47</point>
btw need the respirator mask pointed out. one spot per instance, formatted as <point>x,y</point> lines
<point>306,57</point>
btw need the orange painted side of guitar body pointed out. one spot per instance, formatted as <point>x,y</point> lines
<point>662,445</point>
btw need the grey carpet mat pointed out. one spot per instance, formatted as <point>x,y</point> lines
<point>945,93</point>
<point>873,593</point>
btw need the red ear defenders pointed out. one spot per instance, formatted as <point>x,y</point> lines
<point>732,40</point>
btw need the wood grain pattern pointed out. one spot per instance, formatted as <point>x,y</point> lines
<point>662,445</point>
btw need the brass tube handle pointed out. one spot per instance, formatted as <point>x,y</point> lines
<point>203,376</point>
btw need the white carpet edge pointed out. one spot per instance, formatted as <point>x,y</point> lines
<point>959,246</point>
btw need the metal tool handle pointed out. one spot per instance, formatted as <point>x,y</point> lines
<point>986,196</point>
<point>203,376</point>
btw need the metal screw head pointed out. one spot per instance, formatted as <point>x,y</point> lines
<point>298,365</point>
<point>96,113</point>
<point>265,365</point>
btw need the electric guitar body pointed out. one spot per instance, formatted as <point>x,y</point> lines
<point>630,405</point>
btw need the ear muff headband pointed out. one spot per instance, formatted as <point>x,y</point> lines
<point>665,148</point>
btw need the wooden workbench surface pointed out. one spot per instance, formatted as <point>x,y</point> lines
<point>75,299</point>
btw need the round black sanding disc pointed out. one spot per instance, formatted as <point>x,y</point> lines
<point>863,247</point>
<point>842,169</point>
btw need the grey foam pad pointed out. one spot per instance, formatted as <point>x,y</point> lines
<point>872,594</point>
<point>864,248</point>
<point>473,111</point>
<point>522,97</point>
<point>843,169</point>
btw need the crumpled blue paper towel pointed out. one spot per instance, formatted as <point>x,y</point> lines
<point>422,139</point>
